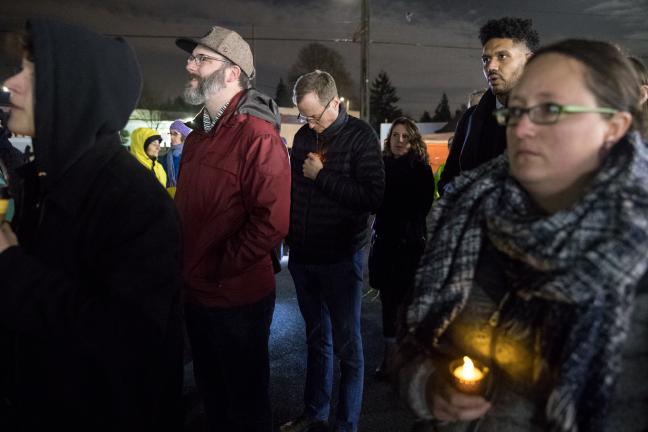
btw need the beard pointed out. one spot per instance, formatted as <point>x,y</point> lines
<point>508,83</point>
<point>206,87</point>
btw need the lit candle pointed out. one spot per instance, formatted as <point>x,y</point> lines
<point>321,156</point>
<point>468,377</point>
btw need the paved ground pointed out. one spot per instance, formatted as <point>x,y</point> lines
<point>381,411</point>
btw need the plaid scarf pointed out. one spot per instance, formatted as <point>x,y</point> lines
<point>590,258</point>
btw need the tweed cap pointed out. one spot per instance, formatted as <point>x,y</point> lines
<point>225,42</point>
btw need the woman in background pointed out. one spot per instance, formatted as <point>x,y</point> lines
<point>399,230</point>
<point>145,146</point>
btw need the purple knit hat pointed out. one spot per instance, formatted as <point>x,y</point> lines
<point>179,126</point>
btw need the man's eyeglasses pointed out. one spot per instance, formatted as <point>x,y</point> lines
<point>200,58</point>
<point>301,118</point>
<point>545,113</point>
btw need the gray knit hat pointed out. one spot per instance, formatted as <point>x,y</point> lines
<point>225,42</point>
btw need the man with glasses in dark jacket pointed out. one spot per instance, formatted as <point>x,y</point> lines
<point>338,178</point>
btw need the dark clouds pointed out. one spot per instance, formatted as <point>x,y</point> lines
<point>426,47</point>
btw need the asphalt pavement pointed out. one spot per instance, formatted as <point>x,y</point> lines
<point>381,409</point>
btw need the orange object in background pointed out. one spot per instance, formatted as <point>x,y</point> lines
<point>437,148</point>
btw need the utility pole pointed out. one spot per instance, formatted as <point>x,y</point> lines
<point>364,87</point>
<point>253,41</point>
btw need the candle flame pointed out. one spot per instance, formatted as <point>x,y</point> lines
<point>468,364</point>
<point>468,372</point>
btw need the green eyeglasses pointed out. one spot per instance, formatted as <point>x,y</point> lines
<point>545,113</point>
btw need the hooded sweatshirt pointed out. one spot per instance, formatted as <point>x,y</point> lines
<point>139,139</point>
<point>91,297</point>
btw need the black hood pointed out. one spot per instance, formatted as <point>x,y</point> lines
<point>86,86</point>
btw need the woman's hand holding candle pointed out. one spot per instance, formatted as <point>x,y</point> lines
<point>446,403</point>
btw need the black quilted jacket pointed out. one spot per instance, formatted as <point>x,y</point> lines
<point>328,216</point>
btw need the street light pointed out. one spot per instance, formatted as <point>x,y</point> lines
<point>347,104</point>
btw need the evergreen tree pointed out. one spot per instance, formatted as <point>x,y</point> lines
<point>442,111</point>
<point>382,104</point>
<point>283,97</point>
<point>426,117</point>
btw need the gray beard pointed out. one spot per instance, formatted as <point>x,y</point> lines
<point>205,89</point>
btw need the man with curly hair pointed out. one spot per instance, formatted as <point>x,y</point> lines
<point>507,45</point>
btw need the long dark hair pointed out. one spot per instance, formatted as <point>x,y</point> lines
<point>416,140</point>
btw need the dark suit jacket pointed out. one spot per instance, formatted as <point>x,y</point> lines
<point>478,139</point>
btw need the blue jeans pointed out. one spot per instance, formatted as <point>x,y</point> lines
<point>330,300</point>
<point>232,364</point>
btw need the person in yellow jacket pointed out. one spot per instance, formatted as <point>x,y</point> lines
<point>145,146</point>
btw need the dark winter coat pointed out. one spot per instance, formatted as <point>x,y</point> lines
<point>399,229</point>
<point>477,139</point>
<point>92,299</point>
<point>234,199</point>
<point>328,216</point>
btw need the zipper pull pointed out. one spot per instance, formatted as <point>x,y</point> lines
<point>494,318</point>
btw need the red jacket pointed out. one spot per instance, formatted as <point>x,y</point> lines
<point>234,201</point>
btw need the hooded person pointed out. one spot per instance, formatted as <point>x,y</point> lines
<point>179,132</point>
<point>91,283</point>
<point>145,146</point>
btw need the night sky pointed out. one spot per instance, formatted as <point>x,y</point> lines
<point>426,47</point>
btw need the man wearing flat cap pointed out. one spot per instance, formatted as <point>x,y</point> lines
<point>234,200</point>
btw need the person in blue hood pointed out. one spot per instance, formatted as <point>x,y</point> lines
<point>178,131</point>
<point>90,283</point>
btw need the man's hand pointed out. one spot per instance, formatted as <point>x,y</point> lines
<point>312,166</point>
<point>448,404</point>
<point>7,237</point>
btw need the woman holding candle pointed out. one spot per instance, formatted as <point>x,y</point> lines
<point>399,229</point>
<point>534,258</point>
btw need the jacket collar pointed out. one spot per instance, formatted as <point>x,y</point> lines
<point>197,122</point>
<point>330,132</point>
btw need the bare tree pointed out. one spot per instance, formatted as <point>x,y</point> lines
<point>317,56</point>
<point>149,108</point>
